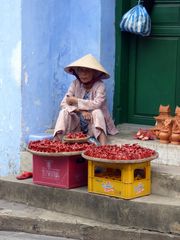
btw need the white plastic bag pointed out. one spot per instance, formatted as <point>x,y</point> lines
<point>136,21</point>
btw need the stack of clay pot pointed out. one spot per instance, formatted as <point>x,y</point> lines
<point>167,128</point>
<point>175,136</point>
<point>164,113</point>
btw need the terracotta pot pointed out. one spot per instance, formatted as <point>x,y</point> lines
<point>157,133</point>
<point>175,138</point>
<point>164,136</point>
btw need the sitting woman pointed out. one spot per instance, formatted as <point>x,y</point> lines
<point>84,105</point>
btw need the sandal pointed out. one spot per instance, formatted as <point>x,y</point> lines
<point>24,175</point>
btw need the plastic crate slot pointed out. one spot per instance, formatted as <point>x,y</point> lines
<point>139,174</point>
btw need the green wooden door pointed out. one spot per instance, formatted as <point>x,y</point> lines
<point>152,65</point>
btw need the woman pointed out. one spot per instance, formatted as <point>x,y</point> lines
<point>84,105</point>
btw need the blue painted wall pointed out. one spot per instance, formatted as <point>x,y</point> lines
<point>47,35</point>
<point>56,33</point>
<point>10,86</point>
<point>107,45</point>
<point>80,35</point>
<point>37,65</point>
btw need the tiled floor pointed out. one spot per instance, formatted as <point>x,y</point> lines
<point>168,153</point>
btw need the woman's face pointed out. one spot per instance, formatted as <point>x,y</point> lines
<point>85,74</point>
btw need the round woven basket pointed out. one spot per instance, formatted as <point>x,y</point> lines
<point>120,161</point>
<point>76,140</point>
<point>53,154</point>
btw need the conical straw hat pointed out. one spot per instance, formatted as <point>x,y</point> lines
<point>88,61</point>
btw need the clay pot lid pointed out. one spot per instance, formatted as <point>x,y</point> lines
<point>163,117</point>
<point>164,109</point>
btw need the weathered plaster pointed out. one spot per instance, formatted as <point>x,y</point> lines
<point>25,78</point>
<point>37,40</point>
<point>37,72</point>
<point>10,86</point>
<point>62,32</point>
<point>108,45</point>
<point>16,63</point>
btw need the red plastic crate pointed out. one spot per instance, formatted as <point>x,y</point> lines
<point>61,171</point>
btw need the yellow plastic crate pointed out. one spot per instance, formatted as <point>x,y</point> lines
<point>121,180</point>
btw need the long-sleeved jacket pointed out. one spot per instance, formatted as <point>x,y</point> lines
<point>97,100</point>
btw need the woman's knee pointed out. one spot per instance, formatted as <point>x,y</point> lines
<point>99,123</point>
<point>63,111</point>
<point>97,113</point>
<point>64,114</point>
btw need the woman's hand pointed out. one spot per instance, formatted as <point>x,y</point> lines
<point>86,115</point>
<point>71,100</point>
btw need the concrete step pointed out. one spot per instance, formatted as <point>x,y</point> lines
<point>24,218</point>
<point>165,178</point>
<point>152,213</point>
<point>156,216</point>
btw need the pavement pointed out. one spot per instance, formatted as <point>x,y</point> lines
<point>8,235</point>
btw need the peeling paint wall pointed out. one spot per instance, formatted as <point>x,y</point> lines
<point>38,38</point>
<point>37,67</point>
<point>10,86</point>
<point>85,27</point>
<point>107,45</point>
<point>55,33</point>
<point>80,34</point>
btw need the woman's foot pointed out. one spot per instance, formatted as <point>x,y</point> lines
<point>94,141</point>
<point>58,137</point>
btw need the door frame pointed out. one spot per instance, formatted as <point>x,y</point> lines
<point>121,63</point>
<point>121,98</point>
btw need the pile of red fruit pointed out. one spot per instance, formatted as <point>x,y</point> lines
<point>124,152</point>
<point>145,134</point>
<point>76,135</point>
<point>51,146</point>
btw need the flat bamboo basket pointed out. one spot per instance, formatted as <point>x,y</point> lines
<point>76,140</point>
<point>54,154</point>
<point>156,155</point>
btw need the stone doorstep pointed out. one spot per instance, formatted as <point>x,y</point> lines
<point>21,217</point>
<point>169,154</point>
<point>165,180</point>
<point>153,213</point>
